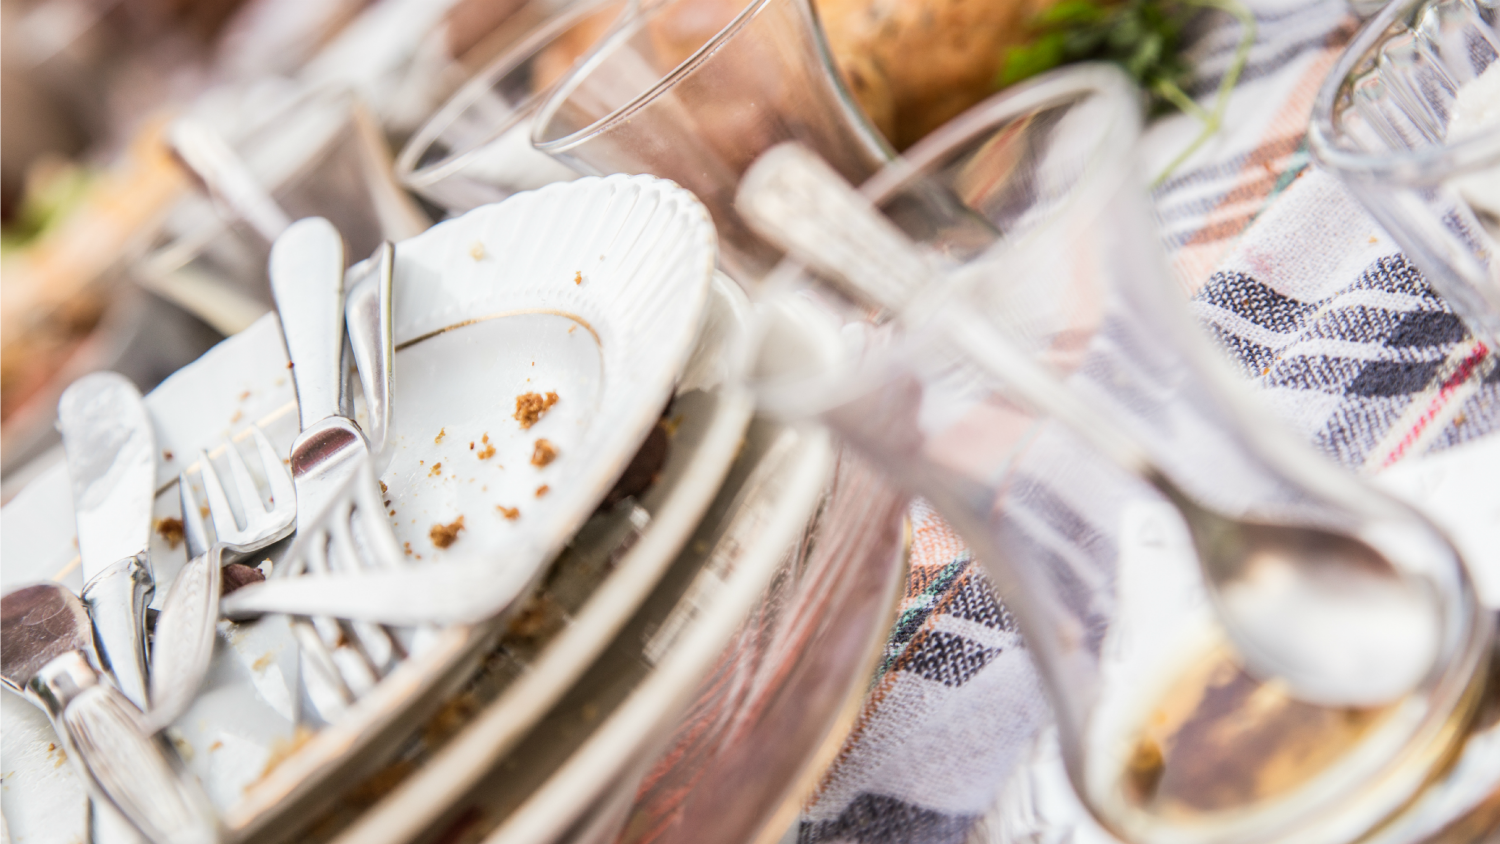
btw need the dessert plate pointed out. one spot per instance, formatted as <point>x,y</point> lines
<point>624,261</point>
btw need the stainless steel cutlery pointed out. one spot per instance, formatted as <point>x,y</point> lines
<point>185,629</point>
<point>111,451</point>
<point>47,654</point>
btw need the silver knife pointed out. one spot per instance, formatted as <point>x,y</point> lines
<point>111,449</point>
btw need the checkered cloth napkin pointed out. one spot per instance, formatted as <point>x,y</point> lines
<point>1324,314</point>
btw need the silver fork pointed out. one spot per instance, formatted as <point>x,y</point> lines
<point>184,639</point>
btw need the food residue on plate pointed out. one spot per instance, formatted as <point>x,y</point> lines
<point>477,251</point>
<point>489,449</point>
<point>510,513</point>
<point>544,453</point>
<point>444,535</point>
<point>542,490</point>
<point>578,277</point>
<point>437,468</point>
<point>170,529</point>
<point>442,432</point>
<point>531,406</point>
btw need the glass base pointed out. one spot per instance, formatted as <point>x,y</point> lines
<point>1037,805</point>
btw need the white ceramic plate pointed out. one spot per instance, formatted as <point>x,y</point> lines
<point>606,278</point>
<point>591,591</point>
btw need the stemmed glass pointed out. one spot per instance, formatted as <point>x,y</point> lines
<point>1033,199</point>
<point>1401,120</point>
<point>694,91</point>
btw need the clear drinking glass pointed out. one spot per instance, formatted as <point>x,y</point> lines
<point>1036,194</point>
<point>1409,120</point>
<point>694,91</point>
<point>477,148</point>
<point>316,152</point>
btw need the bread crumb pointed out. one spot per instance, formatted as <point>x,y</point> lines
<point>544,453</point>
<point>238,415</point>
<point>444,535</point>
<point>171,530</point>
<point>530,407</point>
<point>166,454</point>
<point>442,432</point>
<point>477,251</point>
<point>542,490</point>
<point>436,469</point>
<point>578,277</point>
<point>510,513</point>
<point>489,449</point>
<point>244,395</point>
<point>407,546</point>
<point>471,445</point>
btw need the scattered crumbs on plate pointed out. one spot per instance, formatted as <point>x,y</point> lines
<point>421,462</point>
<point>1374,239</point>
<point>437,469</point>
<point>288,364</point>
<point>578,277</point>
<point>572,328</point>
<point>407,547</point>
<point>530,407</point>
<point>488,451</point>
<point>263,663</point>
<point>544,453</point>
<point>215,746</point>
<point>166,454</point>
<point>203,510</point>
<point>392,513</point>
<point>244,395</point>
<point>542,490</point>
<point>238,415</point>
<point>170,529</point>
<point>444,535</point>
<point>442,432</point>
<point>510,513</point>
<point>383,488</point>
<point>471,445</point>
<point>477,251</point>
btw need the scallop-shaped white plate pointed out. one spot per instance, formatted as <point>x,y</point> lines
<point>594,290</point>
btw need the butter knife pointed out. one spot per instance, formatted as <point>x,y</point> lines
<point>111,451</point>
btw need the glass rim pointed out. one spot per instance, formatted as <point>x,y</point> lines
<point>1410,168</point>
<point>416,177</point>
<point>1113,161</point>
<point>607,46</point>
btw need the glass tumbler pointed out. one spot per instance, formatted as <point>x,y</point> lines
<point>1409,120</point>
<point>477,148</point>
<point>315,152</point>
<point>694,91</point>
<point>1034,199</point>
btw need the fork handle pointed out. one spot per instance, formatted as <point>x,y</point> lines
<point>103,734</point>
<point>307,279</point>
<point>184,641</point>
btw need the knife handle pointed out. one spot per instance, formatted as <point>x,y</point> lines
<point>117,598</point>
<point>307,281</point>
<point>367,312</point>
<point>137,774</point>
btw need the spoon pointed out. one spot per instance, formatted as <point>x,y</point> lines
<point>1322,610</point>
<point>47,654</point>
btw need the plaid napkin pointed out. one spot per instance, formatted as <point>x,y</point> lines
<point>1320,309</point>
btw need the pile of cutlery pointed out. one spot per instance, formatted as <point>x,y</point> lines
<point>83,659</point>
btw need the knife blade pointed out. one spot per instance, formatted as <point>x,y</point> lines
<point>111,453</point>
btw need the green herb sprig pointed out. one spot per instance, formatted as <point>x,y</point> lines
<point>1144,37</point>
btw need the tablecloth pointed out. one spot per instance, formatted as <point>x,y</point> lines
<point>1339,332</point>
